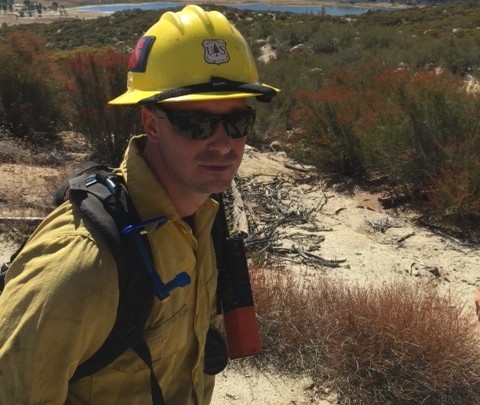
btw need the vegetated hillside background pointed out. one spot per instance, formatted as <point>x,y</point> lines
<point>384,98</point>
<point>387,99</point>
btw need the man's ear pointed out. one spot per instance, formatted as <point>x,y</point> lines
<point>151,125</point>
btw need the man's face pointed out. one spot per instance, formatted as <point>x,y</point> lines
<point>194,168</point>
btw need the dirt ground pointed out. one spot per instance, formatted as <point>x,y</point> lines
<point>366,243</point>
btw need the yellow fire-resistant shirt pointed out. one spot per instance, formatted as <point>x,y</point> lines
<point>61,298</point>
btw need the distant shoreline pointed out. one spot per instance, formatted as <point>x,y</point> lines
<point>274,2</point>
<point>331,3</point>
<point>72,11</point>
<point>314,3</point>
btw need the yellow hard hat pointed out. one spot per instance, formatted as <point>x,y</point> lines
<point>192,55</point>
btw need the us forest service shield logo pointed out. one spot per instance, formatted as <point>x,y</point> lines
<point>215,51</point>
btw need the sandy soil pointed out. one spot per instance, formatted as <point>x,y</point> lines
<point>373,246</point>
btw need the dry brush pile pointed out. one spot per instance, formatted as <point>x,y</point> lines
<point>400,344</point>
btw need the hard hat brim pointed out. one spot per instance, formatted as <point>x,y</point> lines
<point>136,96</point>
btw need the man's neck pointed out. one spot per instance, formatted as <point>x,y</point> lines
<point>186,205</point>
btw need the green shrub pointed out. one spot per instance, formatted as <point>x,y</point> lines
<point>273,119</point>
<point>427,125</point>
<point>413,127</point>
<point>329,38</point>
<point>294,34</point>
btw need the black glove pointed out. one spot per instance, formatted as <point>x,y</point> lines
<point>216,353</point>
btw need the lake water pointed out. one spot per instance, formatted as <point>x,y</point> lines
<point>315,10</point>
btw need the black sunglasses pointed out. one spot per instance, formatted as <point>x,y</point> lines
<point>199,125</point>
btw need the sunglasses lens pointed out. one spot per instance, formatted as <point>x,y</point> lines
<point>189,126</point>
<point>198,126</point>
<point>239,124</point>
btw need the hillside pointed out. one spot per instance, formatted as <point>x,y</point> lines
<point>121,29</point>
<point>309,56</point>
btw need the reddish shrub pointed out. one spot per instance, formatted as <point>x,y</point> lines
<point>95,78</point>
<point>31,105</point>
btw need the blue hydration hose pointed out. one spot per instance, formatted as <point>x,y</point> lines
<point>162,291</point>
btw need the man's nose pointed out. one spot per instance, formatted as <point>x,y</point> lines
<point>220,141</point>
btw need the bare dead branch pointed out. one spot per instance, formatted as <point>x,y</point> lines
<point>321,260</point>
<point>21,219</point>
<point>404,238</point>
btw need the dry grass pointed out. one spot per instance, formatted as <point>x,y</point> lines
<point>29,178</point>
<point>400,344</point>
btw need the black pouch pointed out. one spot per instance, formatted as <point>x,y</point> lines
<point>216,353</point>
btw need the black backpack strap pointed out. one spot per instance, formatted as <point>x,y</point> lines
<point>104,201</point>
<point>135,341</point>
<point>61,193</point>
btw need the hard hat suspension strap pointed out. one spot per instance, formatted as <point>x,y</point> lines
<point>215,84</point>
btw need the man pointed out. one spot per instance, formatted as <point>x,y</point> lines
<point>192,72</point>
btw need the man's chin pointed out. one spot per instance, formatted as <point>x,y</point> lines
<point>217,186</point>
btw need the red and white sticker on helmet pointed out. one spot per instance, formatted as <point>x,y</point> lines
<point>215,51</point>
<point>139,57</point>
